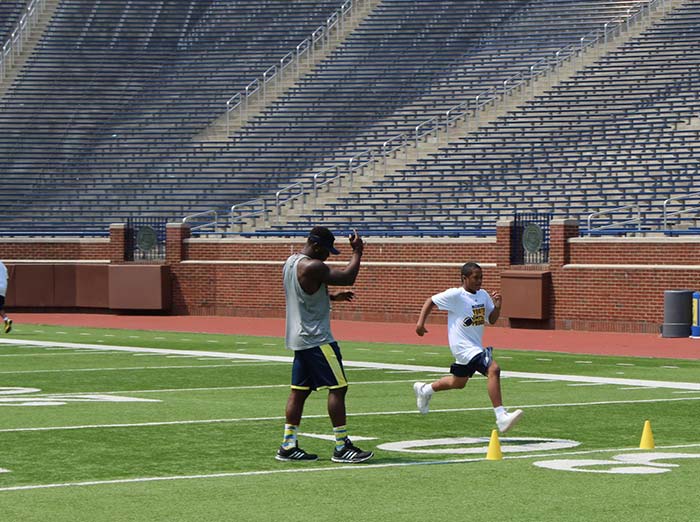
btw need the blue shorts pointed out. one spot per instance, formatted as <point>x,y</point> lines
<point>318,367</point>
<point>479,363</point>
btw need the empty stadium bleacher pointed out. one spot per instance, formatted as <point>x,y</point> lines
<point>103,123</point>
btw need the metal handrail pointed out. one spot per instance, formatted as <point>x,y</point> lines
<point>637,219</point>
<point>241,219</point>
<point>388,148</point>
<point>288,188</point>
<point>351,169</point>
<point>191,217</point>
<point>317,185</point>
<point>684,210</point>
<point>13,47</point>
<point>433,125</point>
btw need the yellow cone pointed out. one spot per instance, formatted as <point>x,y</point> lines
<point>647,441</point>
<point>494,451</point>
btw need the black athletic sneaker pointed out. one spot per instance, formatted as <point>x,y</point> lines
<point>295,453</point>
<point>351,454</point>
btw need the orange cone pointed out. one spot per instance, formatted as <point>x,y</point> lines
<point>647,441</point>
<point>494,451</point>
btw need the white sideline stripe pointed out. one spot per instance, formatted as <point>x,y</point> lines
<point>132,368</point>
<point>209,388</point>
<point>325,416</point>
<point>296,469</point>
<point>361,364</point>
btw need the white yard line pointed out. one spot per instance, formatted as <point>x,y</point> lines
<point>278,418</point>
<point>361,364</point>
<point>338,468</point>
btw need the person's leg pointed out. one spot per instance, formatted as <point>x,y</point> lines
<point>424,391</point>
<point>6,320</point>
<point>493,384</point>
<point>295,406</point>
<point>336,406</point>
<point>504,419</point>
<point>449,382</point>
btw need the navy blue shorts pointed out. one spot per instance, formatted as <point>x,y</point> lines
<point>479,363</point>
<point>318,367</point>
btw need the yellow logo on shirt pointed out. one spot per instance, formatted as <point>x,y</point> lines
<point>478,317</point>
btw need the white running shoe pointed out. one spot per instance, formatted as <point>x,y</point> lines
<point>422,399</point>
<point>508,420</point>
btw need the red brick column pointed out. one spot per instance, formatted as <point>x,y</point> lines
<point>503,243</point>
<point>117,242</point>
<point>560,231</point>
<point>175,234</point>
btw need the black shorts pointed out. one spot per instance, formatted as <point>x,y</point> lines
<point>318,367</point>
<point>479,363</point>
<point>2,302</point>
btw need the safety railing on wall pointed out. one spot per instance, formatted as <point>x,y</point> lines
<point>617,219</point>
<point>437,126</point>
<point>688,210</point>
<point>14,46</point>
<point>209,219</point>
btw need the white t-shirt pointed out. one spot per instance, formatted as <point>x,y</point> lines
<point>467,314</point>
<point>3,279</point>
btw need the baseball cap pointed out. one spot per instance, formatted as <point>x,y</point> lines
<point>322,236</point>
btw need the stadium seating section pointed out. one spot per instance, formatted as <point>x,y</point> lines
<point>105,121</point>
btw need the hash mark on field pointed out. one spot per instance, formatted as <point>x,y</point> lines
<point>541,359</point>
<point>583,362</point>
<point>213,341</point>
<point>671,367</point>
<point>504,357</point>
<point>438,353</point>
<point>241,342</point>
<point>624,364</point>
<point>159,338</point>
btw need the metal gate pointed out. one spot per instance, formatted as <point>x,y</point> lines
<point>530,238</point>
<point>145,239</point>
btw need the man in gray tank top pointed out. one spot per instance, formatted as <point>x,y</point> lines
<point>318,363</point>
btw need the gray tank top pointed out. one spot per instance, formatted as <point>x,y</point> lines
<point>308,315</point>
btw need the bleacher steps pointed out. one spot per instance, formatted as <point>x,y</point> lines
<point>490,115</point>
<point>259,102</point>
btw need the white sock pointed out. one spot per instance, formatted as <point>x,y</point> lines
<point>427,389</point>
<point>500,411</point>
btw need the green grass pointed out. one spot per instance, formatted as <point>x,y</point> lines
<point>202,446</point>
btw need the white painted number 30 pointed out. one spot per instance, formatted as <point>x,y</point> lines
<point>625,464</point>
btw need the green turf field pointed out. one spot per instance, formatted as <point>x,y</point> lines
<point>112,425</point>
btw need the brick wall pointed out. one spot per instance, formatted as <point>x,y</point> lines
<point>607,284</point>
